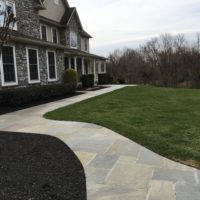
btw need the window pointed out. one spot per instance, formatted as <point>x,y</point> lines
<point>55,35</point>
<point>73,40</point>
<point>9,6</point>
<point>8,66</point>
<point>92,69</point>
<point>97,67</point>
<point>66,62</point>
<point>102,67</point>
<point>72,63</point>
<point>2,11</point>
<point>43,32</point>
<point>51,66</point>
<point>33,66</point>
<point>86,45</point>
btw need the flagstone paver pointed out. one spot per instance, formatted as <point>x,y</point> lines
<point>116,168</point>
<point>161,190</point>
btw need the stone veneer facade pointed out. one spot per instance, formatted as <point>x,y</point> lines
<point>27,18</point>
<point>28,23</point>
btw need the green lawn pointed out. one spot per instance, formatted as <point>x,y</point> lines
<point>167,121</point>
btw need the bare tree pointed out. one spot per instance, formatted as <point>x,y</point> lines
<point>8,21</point>
<point>165,61</point>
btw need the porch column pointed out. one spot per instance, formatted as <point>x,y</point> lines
<point>75,64</point>
<point>83,66</point>
<point>69,63</point>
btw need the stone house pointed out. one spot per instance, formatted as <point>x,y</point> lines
<point>47,39</point>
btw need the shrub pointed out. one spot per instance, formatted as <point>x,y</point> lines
<point>105,79</point>
<point>21,96</point>
<point>121,80</point>
<point>87,80</point>
<point>70,76</point>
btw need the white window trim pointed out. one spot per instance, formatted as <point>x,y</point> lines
<point>41,32</point>
<point>28,66</point>
<point>49,79</point>
<point>70,40</point>
<point>52,34</point>
<point>4,84</point>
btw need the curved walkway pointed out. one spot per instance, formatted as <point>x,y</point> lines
<point>116,168</point>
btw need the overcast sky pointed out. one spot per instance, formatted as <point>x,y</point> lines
<point>128,23</point>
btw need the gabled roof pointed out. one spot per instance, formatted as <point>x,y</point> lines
<point>67,16</point>
<point>69,13</point>
<point>39,5</point>
<point>85,34</point>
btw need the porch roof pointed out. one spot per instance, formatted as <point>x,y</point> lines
<point>77,53</point>
<point>21,38</point>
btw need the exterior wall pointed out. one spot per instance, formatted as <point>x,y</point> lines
<point>22,71</point>
<point>50,34</point>
<point>27,18</point>
<point>60,65</point>
<point>51,8</point>
<point>64,40</point>
<point>73,26</point>
<point>83,40</point>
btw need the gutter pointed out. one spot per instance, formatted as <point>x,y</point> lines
<point>56,46</point>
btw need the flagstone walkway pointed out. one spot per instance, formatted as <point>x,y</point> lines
<point>116,168</point>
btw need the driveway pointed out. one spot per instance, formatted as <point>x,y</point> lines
<point>116,168</point>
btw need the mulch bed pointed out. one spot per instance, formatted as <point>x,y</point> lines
<point>8,109</point>
<point>39,167</point>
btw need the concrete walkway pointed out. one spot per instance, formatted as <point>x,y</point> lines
<point>116,168</point>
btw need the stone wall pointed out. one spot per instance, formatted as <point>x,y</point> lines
<point>22,71</point>
<point>27,18</point>
<point>60,65</point>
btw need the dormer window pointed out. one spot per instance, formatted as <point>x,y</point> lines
<point>73,40</point>
<point>43,32</point>
<point>54,35</point>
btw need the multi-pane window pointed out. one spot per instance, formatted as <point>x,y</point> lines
<point>51,65</point>
<point>33,65</point>
<point>43,32</point>
<point>9,73</point>
<point>55,35</point>
<point>73,40</point>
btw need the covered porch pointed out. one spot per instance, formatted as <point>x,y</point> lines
<point>85,63</point>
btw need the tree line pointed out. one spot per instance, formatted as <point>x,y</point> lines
<point>169,61</point>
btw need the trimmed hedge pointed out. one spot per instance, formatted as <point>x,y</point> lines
<point>70,76</point>
<point>105,79</point>
<point>21,96</point>
<point>87,80</point>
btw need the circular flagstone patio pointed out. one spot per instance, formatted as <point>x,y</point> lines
<point>116,168</point>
